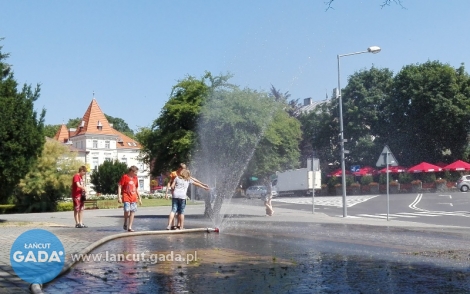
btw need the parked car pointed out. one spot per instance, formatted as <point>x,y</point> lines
<point>463,184</point>
<point>256,192</point>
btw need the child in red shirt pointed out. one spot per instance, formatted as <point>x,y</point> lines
<point>128,195</point>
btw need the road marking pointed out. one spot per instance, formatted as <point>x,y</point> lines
<point>450,196</point>
<point>397,215</point>
<point>373,216</point>
<point>446,203</point>
<point>336,201</point>
<point>417,214</point>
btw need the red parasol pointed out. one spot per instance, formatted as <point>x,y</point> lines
<point>365,171</point>
<point>393,169</point>
<point>459,165</point>
<point>338,173</point>
<point>424,167</point>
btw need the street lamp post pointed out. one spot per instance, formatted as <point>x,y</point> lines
<point>374,50</point>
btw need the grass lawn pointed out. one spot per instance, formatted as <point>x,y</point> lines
<point>106,204</point>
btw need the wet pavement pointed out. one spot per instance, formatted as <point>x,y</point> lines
<point>291,252</point>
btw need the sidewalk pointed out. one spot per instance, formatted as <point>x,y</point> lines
<point>104,223</point>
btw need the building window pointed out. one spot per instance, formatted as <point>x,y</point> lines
<point>124,160</point>
<point>141,184</point>
<point>95,144</point>
<point>95,163</point>
<point>106,144</point>
<point>107,158</point>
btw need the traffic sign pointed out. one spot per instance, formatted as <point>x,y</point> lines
<point>355,168</point>
<point>386,158</point>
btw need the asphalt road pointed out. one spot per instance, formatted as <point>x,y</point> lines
<point>449,208</point>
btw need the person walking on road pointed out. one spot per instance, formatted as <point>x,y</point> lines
<point>268,197</point>
<point>180,187</point>
<point>128,195</point>
<point>78,196</point>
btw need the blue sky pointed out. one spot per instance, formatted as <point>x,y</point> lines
<point>131,53</point>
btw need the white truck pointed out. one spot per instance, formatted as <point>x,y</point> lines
<point>298,182</point>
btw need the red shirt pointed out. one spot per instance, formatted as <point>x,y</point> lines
<point>76,191</point>
<point>129,188</point>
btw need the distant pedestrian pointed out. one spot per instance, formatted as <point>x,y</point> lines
<point>79,196</point>
<point>180,187</point>
<point>268,197</point>
<point>128,195</point>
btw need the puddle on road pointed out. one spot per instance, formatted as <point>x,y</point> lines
<point>225,263</point>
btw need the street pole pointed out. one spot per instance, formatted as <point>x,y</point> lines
<point>388,200</point>
<point>373,49</point>
<point>341,142</point>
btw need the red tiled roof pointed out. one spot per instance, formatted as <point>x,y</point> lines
<point>94,121</point>
<point>62,134</point>
<point>90,120</point>
<point>127,143</point>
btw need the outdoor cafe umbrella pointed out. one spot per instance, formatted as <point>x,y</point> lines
<point>424,167</point>
<point>338,173</point>
<point>393,170</point>
<point>458,165</point>
<point>365,171</point>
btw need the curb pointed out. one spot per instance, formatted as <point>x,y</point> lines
<point>37,288</point>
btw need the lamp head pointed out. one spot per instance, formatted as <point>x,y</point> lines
<point>374,49</point>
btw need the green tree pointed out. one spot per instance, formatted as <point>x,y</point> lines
<point>73,123</point>
<point>172,136</point>
<point>242,131</point>
<point>49,179</point>
<point>120,125</point>
<point>428,113</point>
<point>278,148</point>
<point>21,130</point>
<point>51,130</point>
<point>405,112</point>
<point>364,101</point>
<point>106,178</point>
<point>320,127</point>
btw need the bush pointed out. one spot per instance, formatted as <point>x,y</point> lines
<point>405,178</point>
<point>429,177</point>
<point>366,180</point>
<point>333,181</point>
<point>64,206</point>
<point>7,208</point>
<point>452,176</point>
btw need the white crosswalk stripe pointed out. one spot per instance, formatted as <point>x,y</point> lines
<point>405,215</point>
<point>374,216</point>
<point>336,201</point>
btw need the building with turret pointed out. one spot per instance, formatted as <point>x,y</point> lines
<point>96,141</point>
